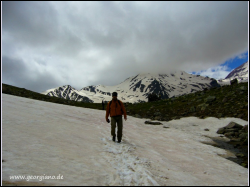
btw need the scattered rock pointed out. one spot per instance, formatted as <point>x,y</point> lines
<point>245,128</point>
<point>219,115</point>
<point>221,130</point>
<point>234,81</point>
<point>137,116</point>
<point>233,125</point>
<point>239,155</point>
<point>192,109</point>
<point>243,136</point>
<point>240,115</point>
<point>242,88</point>
<point>238,136</point>
<point>210,99</point>
<point>157,118</point>
<point>224,100</point>
<point>157,114</point>
<point>229,135</point>
<point>235,140</point>
<point>244,165</point>
<point>153,123</point>
<point>202,106</point>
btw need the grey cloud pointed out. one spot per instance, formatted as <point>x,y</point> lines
<point>133,37</point>
<point>33,24</point>
<point>17,73</point>
<point>13,68</point>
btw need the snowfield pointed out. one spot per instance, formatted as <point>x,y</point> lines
<point>41,138</point>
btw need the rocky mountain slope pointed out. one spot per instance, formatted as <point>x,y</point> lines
<point>137,88</point>
<point>240,73</point>
<point>69,93</point>
<point>225,101</point>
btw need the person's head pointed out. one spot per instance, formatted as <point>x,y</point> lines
<point>114,95</point>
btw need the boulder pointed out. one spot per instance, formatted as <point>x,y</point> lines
<point>153,122</point>
<point>243,136</point>
<point>214,83</point>
<point>221,130</point>
<point>231,130</point>
<point>233,125</point>
<point>202,106</point>
<point>165,126</point>
<point>235,132</point>
<point>210,99</point>
<point>229,135</point>
<point>234,81</point>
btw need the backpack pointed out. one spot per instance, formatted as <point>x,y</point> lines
<point>118,102</point>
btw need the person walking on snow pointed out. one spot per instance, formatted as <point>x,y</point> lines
<point>116,109</point>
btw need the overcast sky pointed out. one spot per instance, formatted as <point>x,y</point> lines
<point>51,44</point>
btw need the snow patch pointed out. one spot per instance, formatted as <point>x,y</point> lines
<point>47,138</point>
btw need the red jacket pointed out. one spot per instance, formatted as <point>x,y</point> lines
<point>115,109</point>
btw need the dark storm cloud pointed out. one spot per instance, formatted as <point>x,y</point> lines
<point>84,43</point>
<point>33,24</point>
<point>17,73</point>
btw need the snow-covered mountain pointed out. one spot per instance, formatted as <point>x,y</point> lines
<point>137,88</point>
<point>240,73</point>
<point>67,92</point>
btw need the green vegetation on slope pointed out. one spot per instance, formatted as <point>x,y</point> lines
<point>22,92</point>
<point>225,101</point>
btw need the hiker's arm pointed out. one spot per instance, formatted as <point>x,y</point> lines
<point>124,112</point>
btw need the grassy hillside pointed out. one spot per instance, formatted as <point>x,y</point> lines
<point>226,101</point>
<point>22,92</point>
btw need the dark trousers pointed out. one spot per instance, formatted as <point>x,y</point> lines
<point>117,120</point>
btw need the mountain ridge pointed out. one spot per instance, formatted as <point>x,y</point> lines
<point>240,73</point>
<point>137,88</point>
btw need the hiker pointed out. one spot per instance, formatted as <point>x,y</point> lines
<point>116,109</point>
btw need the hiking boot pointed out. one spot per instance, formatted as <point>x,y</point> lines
<point>119,139</point>
<point>114,138</point>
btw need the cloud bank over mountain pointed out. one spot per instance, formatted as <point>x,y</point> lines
<point>48,44</point>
